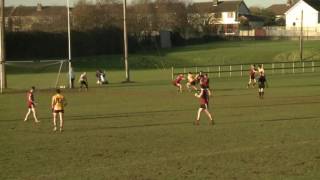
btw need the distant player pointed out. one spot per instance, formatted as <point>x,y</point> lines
<point>191,84</point>
<point>261,70</point>
<point>83,81</point>
<point>177,82</point>
<point>57,104</point>
<point>252,76</point>
<point>262,83</point>
<point>204,104</point>
<point>204,81</point>
<point>199,77</point>
<point>31,105</point>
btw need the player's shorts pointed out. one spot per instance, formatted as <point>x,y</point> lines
<point>261,86</point>
<point>31,105</point>
<point>204,106</point>
<point>175,83</point>
<point>58,111</point>
<point>84,83</point>
<point>252,77</point>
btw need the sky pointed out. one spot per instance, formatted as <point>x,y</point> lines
<point>261,3</point>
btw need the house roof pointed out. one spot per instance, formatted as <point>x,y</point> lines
<point>227,6</point>
<point>313,3</point>
<point>203,7</point>
<point>278,9</point>
<point>45,11</point>
<point>223,6</point>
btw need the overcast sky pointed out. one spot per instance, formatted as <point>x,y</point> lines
<point>262,3</point>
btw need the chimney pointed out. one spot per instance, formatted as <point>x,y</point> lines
<point>289,3</point>
<point>39,7</point>
<point>215,2</point>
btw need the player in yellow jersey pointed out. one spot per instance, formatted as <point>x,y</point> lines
<point>57,104</point>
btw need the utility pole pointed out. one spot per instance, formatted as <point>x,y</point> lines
<point>3,79</point>
<point>125,41</point>
<point>301,36</point>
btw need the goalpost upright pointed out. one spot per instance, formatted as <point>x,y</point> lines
<point>3,79</point>
<point>69,46</point>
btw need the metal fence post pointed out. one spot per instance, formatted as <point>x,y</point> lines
<point>282,68</point>
<point>184,70</point>
<point>219,71</point>
<point>196,69</point>
<point>241,69</point>
<point>303,67</point>
<point>230,70</point>
<point>208,71</point>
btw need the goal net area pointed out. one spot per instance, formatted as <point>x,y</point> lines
<point>43,74</point>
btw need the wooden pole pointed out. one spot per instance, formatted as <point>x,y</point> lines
<point>301,37</point>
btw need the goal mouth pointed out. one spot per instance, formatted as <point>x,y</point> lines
<point>44,74</point>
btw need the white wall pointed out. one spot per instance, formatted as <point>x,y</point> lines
<point>293,15</point>
<point>229,20</point>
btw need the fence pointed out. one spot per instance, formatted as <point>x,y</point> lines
<point>243,69</point>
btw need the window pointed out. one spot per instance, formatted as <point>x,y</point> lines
<point>230,14</point>
<point>229,28</point>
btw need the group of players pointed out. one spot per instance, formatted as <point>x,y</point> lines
<point>203,92</point>
<point>258,73</point>
<point>58,103</point>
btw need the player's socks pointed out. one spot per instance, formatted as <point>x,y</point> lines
<point>54,129</point>
<point>197,122</point>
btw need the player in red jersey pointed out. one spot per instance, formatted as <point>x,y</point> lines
<point>31,105</point>
<point>177,82</point>
<point>252,76</point>
<point>204,104</point>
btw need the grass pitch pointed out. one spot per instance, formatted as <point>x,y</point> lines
<point>144,130</point>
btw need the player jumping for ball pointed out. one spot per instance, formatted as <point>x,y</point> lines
<point>177,82</point>
<point>252,79</point>
<point>262,81</point>
<point>31,105</point>
<point>83,80</point>
<point>191,84</point>
<point>58,103</point>
<point>204,104</point>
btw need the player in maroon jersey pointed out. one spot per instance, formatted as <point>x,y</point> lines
<point>204,104</point>
<point>31,105</point>
<point>252,76</point>
<point>177,82</point>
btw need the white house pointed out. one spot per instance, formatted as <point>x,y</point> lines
<point>306,12</point>
<point>228,13</point>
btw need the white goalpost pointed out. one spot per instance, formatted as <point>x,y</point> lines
<point>3,62</point>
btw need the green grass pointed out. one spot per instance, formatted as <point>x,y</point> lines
<point>144,130</point>
<point>222,53</point>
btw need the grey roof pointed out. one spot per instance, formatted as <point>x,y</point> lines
<point>32,11</point>
<point>223,6</point>
<point>314,3</point>
<point>227,6</point>
<point>278,9</point>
